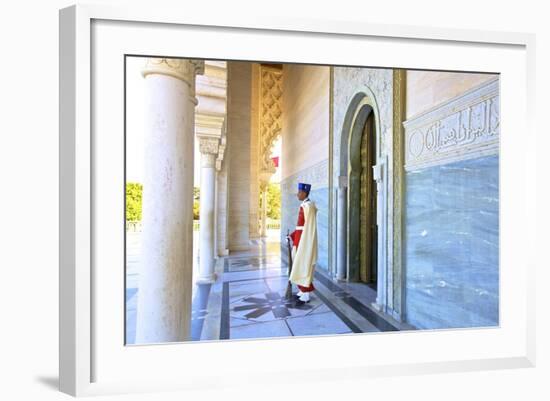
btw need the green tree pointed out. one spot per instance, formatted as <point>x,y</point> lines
<point>274,201</point>
<point>134,195</point>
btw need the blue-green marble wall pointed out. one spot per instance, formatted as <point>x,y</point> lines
<point>452,245</point>
<point>320,197</point>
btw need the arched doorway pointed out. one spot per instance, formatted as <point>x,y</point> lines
<point>387,134</point>
<point>368,232</point>
<point>362,202</point>
<point>361,130</point>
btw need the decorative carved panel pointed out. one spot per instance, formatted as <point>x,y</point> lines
<point>461,128</point>
<point>271,96</point>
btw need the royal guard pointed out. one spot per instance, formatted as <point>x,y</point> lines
<point>304,249</point>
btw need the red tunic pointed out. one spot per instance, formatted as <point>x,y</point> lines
<point>295,236</point>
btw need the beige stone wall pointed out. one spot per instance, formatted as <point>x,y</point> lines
<point>238,135</point>
<point>427,89</point>
<point>254,152</point>
<point>305,119</point>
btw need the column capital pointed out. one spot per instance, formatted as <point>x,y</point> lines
<point>208,145</point>
<point>183,69</point>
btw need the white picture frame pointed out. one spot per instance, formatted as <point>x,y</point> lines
<point>93,358</point>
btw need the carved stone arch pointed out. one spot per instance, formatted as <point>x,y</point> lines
<point>360,99</point>
<point>361,106</point>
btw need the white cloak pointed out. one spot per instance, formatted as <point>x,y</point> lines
<point>305,257</point>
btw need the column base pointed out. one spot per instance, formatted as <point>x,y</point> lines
<point>340,277</point>
<point>376,306</point>
<point>395,315</point>
<point>207,280</point>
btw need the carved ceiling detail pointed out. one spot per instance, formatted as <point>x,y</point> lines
<point>271,96</point>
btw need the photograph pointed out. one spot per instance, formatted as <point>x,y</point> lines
<point>268,199</point>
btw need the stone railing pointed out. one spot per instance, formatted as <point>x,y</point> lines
<point>133,226</point>
<point>274,225</point>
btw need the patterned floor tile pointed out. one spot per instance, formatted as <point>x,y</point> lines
<point>321,308</point>
<point>274,328</point>
<point>266,306</point>
<point>317,324</point>
<point>243,289</point>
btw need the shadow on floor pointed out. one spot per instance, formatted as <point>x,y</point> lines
<point>52,382</point>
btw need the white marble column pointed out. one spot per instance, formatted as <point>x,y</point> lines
<point>165,275</point>
<point>379,171</point>
<point>209,151</point>
<point>341,244</point>
<point>221,221</point>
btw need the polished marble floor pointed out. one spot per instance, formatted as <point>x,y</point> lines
<point>247,301</point>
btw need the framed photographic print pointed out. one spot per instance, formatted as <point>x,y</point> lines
<point>353,196</point>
